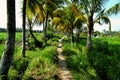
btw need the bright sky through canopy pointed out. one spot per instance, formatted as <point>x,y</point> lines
<point>115,19</point>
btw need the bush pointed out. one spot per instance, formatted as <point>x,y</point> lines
<point>42,66</point>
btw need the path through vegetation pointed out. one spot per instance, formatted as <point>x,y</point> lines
<point>63,72</point>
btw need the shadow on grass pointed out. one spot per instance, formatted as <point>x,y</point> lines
<point>69,52</point>
<point>104,58</point>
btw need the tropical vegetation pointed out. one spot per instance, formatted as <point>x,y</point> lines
<point>90,55</point>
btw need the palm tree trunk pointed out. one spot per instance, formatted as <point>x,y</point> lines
<point>37,43</point>
<point>110,29</point>
<point>89,34</point>
<point>77,35</point>
<point>89,41</point>
<point>72,37</point>
<point>7,56</point>
<point>51,33</point>
<point>45,27</point>
<point>23,30</point>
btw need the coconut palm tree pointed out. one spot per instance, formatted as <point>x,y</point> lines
<point>49,6</point>
<point>35,15</point>
<point>23,28</point>
<point>67,19</point>
<point>92,10</point>
<point>43,9</point>
<point>113,10</point>
<point>7,56</point>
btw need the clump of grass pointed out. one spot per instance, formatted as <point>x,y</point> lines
<point>100,63</point>
<point>104,59</point>
<point>42,66</point>
<point>78,63</point>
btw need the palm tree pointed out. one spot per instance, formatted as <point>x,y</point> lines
<point>49,6</point>
<point>67,19</point>
<point>35,15</point>
<point>7,56</point>
<point>113,10</point>
<point>30,25</point>
<point>43,9</point>
<point>89,8</point>
<point>23,26</point>
<point>106,20</point>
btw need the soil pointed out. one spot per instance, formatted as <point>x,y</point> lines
<point>63,71</point>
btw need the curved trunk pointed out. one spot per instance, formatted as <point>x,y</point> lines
<point>7,56</point>
<point>23,30</point>
<point>37,43</point>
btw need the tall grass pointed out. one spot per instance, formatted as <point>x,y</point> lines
<point>102,63</point>
<point>37,65</point>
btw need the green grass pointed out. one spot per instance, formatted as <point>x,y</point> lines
<point>100,63</point>
<point>41,63</point>
<point>38,64</point>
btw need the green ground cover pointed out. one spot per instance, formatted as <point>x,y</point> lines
<point>100,63</point>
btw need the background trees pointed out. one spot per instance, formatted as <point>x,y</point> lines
<point>67,18</point>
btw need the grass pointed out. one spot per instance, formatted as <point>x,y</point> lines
<point>40,64</point>
<point>102,63</point>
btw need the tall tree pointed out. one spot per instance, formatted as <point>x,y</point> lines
<point>89,8</point>
<point>49,6</point>
<point>113,10</point>
<point>35,15</point>
<point>68,18</point>
<point>7,56</point>
<point>23,26</point>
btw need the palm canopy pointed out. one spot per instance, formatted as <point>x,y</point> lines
<point>93,10</point>
<point>65,18</point>
<point>113,10</point>
<point>34,9</point>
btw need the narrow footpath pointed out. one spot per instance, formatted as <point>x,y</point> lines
<point>63,72</point>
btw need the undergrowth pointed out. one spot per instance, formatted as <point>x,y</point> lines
<point>102,63</point>
<point>37,65</point>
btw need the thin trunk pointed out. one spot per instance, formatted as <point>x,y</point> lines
<point>23,30</point>
<point>44,28</point>
<point>37,43</point>
<point>7,56</point>
<point>89,33</point>
<point>77,35</point>
<point>31,32</point>
<point>110,29</point>
<point>51,33</point>
<point>72,37</point>
<point>89,41</point>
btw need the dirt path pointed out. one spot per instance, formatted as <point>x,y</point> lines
<point>63,72</point>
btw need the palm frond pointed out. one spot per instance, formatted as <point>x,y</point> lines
<point>113,10</point>
<point>96,20</point>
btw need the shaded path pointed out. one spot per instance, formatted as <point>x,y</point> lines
<point>63,72</point>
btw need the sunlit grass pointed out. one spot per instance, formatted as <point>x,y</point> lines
<point>39,64</point>
<point>100,63</point>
